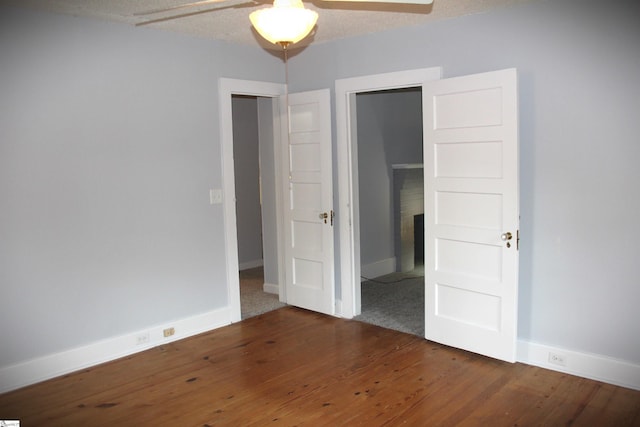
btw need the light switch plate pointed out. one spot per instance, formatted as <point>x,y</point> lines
<point>215,196</point>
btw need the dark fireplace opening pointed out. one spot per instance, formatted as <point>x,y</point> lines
<point>418,239</point>
<point>408,207</point>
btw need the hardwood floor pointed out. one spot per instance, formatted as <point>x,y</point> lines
<point>293,367</point>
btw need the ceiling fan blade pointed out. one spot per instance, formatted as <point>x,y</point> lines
<point>178,7</point>
<point>425,2</point>
<point>227,4</point>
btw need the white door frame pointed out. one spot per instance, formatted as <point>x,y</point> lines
<point>348,211</point>
<point>227,88</point>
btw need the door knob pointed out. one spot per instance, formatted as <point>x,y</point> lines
<point>506,236</point>
<point>324,216</point>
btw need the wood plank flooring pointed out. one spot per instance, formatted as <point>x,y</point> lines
<point>292,367</point>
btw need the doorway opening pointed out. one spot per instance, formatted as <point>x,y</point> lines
<point>391,202</point>
<point>253,161</point>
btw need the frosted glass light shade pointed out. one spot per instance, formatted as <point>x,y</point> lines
<point>287,21</point>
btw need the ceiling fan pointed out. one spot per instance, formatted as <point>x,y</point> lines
<point>284,23</point>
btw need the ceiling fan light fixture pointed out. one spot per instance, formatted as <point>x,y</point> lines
<point>286,22</point>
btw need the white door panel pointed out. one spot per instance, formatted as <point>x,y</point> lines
<point>308,234</point>
<point>471,199</point>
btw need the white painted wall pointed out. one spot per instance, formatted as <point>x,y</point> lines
<point>578,67</point>
<point>109,144</point>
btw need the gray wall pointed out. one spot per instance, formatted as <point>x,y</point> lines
<point>268,179</point>
<point>246,158</point>
<point>389,132</point>
<point>578,66</point>
<point>254,158</point>
<point>109,144</point>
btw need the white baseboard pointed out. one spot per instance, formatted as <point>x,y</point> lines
<point>53,365</point>
<point>379,268</point>
<point>592,366</point>
<point>270,288</point>
<point>250,264</point>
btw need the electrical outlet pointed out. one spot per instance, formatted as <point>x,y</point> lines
<point>168,332</point>
<point>557,359</point>
<point>143,338</point>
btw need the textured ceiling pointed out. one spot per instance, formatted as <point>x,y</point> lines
<point>229,20</point>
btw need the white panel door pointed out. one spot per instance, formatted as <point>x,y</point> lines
<point>471,212</point>
<point>308,214</point>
